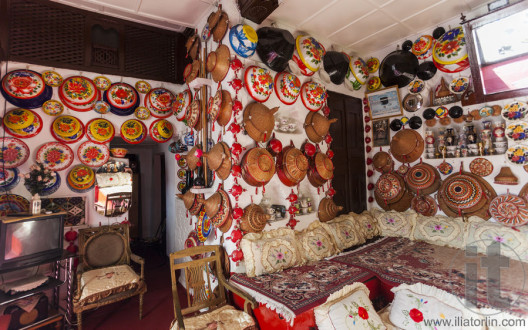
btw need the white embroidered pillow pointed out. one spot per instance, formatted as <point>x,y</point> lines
<point>440,230</point>
<point>481,233</point>
<point>367,224</point>
<point>416,304</point>
<point>348,308</point>
<point>344,232</point>
<point>396,224</point>
<point>316,242</point>
<point>270,252</point>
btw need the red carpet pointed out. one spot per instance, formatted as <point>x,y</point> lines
<point>157,304</point>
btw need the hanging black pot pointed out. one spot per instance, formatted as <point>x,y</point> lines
<point>415,122</point>
<point>398,68</point>
<point>429,114</point>
<point>335,67</point>
<point>426,70</point>
<point>275,47</point>
<point>396,125</point>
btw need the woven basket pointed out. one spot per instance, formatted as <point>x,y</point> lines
<point>226,109</point>
<point>328,209</point>
<point>317,126</point>
<point>259,121</point>
<point>407,146</point>
<point>321,169</point>
<point>258,166</point>
<point>292,166</point>
<point>424,178</point>
<point>382,162</point>
<point>254,219</point>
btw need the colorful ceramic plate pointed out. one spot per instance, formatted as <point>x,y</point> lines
<point>181,103</point>
<point>161,130</point>
<point>133,131</point>
<point>510,210</point>
<point>441,112</point>
<point>517,131</point>
<point>459,85</point>
<point>52,108</point>
<point>481,167</point>
<point>11,203</point>
<point>66,126</point>
<point>81,176</point>
<point>100,130</point>
<point>445,168</point>
<point>142,86</point>
<point>416,86</point>
<point>203,226</point>
<point>182,162</point>
<point>19,118</point>
<point>373,64</point>
<point>181,173</point>
<point>52,78</point>
<point>517,155</point>
<point>514,111</point>
<point>259,83</point>
<point>142,113</point>
<point>72,139</point>
<point>121,97</point>
<point>25,89</point>
<point>77,91</point>
<point>485,111</point>
<point>102,83</point>
<point>27,132</point>
<point>93,154</point>
<point>9,178</point>
<point>13,153</point>
<point>313,95</point>
<point>101,107</point>
<point>55,156</point>
<point>159,102</point>
<point>181,186</point>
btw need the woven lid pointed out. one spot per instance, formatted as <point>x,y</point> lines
<point>223,215</point>
<point>295,164</point>
<point>191,158</point>
<point>187,198</point>
<point>407,146</point>
<point>506,176</point>
<point>225,167</point>
<point>259,121</point>
<point>324,166</point>
<point>316,126</point>
<point>328,209</point>
<point>212,204</point>
<point>382,162</point>
<point>222,63</point>
<point>226,109</point>
<point>254,219</point>
<point>461,191</point>
<point>259,165</point>
<point>215,156</point>
<point>390,187</point>
<point>423,177</point>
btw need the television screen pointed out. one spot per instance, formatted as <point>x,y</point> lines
<point>31,237</point>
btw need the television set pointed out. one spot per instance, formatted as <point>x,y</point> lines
<point>30,240</point>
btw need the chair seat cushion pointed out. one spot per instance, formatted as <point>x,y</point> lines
<point>101,283</point>
<point>223,318</point>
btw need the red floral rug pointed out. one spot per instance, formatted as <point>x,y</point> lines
<point>301,288</point>
<point>397,260</point>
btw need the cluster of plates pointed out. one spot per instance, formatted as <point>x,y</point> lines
<point>22,123</point>
<point>81,178</point>
<point>133,131</point>
<point>67,129</point>
<point>79,93</point>
<point>161,130</point>
<point>25,89</point>
<point>159,102</point>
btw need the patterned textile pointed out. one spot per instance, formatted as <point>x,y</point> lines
<point>399,260</point>
<point>100,283</point>
<point>345,232</point>
<point>74,206</point>
<point>316,242</point>
<point>440,230</point>
<point>223,318</point>
<point>300,288</point>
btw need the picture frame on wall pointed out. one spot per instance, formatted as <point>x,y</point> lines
<point>384,103</point>
<point>380,132</point>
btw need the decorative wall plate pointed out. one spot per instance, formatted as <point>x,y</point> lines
<point>181,185</point>
<point>11,203</point>
<point>416,86</point>
<point>133,131</point>
<point>422,47</point>
<point>450,52</point>
<point>159,102</point>
<point>142,113</point>
<point>25,89</point>
<point>9,178</point>
<point>181,173</point>
<point>287,87</point>
<point>78,91</point>
<point>425,205</point>
<point>122,98</point>
<point>485,111</point>
<point>161,130</point>
<point>102,83</point>
<point>29,131</point>
<point>52,108</point>
<point>517,155</point>
<point>313,95</point>
<point>182,162</point>
<point>71,139</point>
<point>13,153</point>
<point>55,156</point>
<point>213,107</point>
<point>143,87</point>
<point>203,226</point>
<point>517,131</point>
<point>481,167</point>
<point>462,192</point>
<point>441,112</point>
<point>101,107</point>
<point>445,168</point>
<point>510,210</point>
<point>310,52</point>
<point>193,113</point>
<point>373,84</point>
<point>66,126</point>
<point>19,118</point>
<point>258,82</point>
<point>93,154</point>
<point>459,85</point>
<point>181,104</point>
<point>373,64</point>
<point>81,178</point>
<point>100,130</point>
<point>514,111</point>
<point>52,78</point>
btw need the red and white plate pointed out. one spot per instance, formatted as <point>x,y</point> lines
<point>510,210</point>
<point>13,153</point>
<point>481,167</point>
<point>93,154</point>
<point>55,156</point>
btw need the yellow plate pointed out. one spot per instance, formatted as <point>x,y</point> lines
<point>81,175</point>
<point>164,128</point>
<point>19,118</point>
<point>66,126</point>
<point>131,129</point>
<point>101,129</point>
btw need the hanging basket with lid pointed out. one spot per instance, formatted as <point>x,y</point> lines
<point>321,169</point>
<point>259,121</point>
<point>254,219</point>
<point>257,166</point>
<point>292,165</point>
<point>316,126</point>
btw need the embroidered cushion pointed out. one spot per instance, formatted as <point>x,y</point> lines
<point>384,316</point>
<point>367,224</point>
<point>100,283</point>
<point>344,232</point>
<point>348,308</point>
<point>225,317</point>
<point>415,305</point>
<point>316,242</point>
<point>270,251</point>
<point>395,224</point>
<point>440,230</point>
<point>513,243</point>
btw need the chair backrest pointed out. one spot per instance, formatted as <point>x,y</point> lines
<point>104,246</point>
<point>198,279</point>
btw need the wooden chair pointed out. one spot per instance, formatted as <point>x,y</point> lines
<point>104,275</point>
<point>200,276</point>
